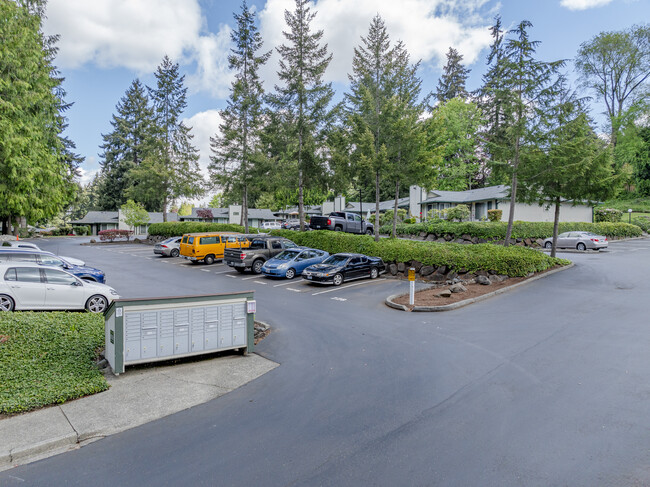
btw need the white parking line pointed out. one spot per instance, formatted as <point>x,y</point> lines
<point>284,284</point>
<point>342,287</point>
<point>294,290</point>
<point>336,298</point>
<point>230,275</point>
<point>261,282</point>
<point>205,270</point>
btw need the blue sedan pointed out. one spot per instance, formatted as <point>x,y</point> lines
<point>291,262</point>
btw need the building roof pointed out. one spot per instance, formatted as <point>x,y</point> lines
<point>308,209</point>
<point>355,207</point>
<point>98,217</point>
<point>481,194</point>
<point>94,217</point>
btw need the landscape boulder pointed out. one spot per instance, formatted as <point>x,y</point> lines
<point>483,280</point>
<point>392,268</point>
<point>458,288</point>
<point>426,270</point>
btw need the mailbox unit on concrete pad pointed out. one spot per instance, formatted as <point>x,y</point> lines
<point>153,329</point>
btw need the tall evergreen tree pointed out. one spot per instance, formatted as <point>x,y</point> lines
<point>570,163</point>
<point>520,101</point>
<point>126,147</point>
<point>367,101</point>
<point>452,82</point>
<point>237,148</point>
<point>171,169</point>
<point>302,99</point>
<point>36,173</point>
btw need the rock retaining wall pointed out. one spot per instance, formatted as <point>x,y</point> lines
<point>468,239</point>
<point>441,275</point>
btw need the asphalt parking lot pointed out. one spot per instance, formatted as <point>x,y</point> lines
<point>543,385</point>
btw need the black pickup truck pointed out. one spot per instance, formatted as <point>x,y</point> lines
<point>261,249</point>
<point>341,221</point>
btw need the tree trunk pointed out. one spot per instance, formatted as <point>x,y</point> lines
<point>556,225</point>
<point>244,209</point>
<point>164,212</point>
<point>301,210</point>
<point>513,195</point>
<point>394,234</point>
<point>5,226</point>
<point>377,206</point>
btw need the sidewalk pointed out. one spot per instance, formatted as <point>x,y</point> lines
<point>136,397</point>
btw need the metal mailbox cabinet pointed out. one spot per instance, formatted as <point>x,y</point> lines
<point>152,329</point>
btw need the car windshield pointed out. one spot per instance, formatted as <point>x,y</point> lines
<point>287,255</point>
<point>290,245</point>
<point>336,259</point>
<point>170,240</point>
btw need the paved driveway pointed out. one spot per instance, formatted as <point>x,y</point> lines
<point>546,385</point>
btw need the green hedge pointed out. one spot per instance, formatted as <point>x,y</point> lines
<point>176,229</point>
<point>497,230</point>
<point>48,358</point>
<point>512,261</point>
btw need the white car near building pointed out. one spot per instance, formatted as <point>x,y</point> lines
<point>26,286</point>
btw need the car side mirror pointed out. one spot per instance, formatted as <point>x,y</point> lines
<point>76,283</point>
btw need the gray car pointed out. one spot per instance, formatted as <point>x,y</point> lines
<point>578,240</point>
<point>168,248</point>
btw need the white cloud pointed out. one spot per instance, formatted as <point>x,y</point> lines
<point>137,34</point>
<point>204,125</point>
<point>87,175</point>
<point>583,4</point>
<point>427,27</point>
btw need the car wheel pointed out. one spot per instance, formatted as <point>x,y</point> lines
<point>290,274</point>
<point>209,260</point>
<point>368,231</point>
<point>6,303</point>
<point>257,267</point>
<point>240,269</point>
<point>548,245</point>
<point>96,304</point>
<point>338,279</point>
<point>337,229</point>
<point>581,246</point>
<point>374,273</point>
<point>175,253</point>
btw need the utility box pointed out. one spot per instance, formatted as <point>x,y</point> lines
<point>154,329</point>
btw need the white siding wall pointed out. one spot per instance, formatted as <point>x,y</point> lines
<point>536,213</point>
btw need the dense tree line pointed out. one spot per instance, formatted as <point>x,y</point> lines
<point>524,126</point>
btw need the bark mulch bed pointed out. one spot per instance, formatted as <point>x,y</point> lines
<point>429,296</point>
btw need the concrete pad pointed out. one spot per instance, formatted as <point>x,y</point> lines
<point>32,433</point>
<point>136,397</point>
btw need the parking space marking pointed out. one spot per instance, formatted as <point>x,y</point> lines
<point>230,275</point>
<point>261,282</point>
<point>342,287</point>
<point>336,298</point>
<point>205,270</point>
<point>248,278</point>
<point>294,290</point>
<point>284,284</point>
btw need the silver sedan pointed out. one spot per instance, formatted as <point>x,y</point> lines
<point>578,240</point>
<point>168,248</point>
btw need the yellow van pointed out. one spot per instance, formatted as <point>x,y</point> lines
<point>208,247</point>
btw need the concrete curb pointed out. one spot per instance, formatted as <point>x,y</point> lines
<point>20,454</point>
<point>390,300</point>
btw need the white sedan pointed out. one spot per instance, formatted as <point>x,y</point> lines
<point>25,286</point>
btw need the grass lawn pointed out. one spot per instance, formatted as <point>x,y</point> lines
<point>48,358</point>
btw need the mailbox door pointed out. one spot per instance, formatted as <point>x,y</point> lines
<point>225,326</point>
<point>198,329</point>
<point>181,331</point>
<point>212,327</point>
<point>239,324</point>
<point>132,324</point>
<point>166,333</point>
<point>149,335</point>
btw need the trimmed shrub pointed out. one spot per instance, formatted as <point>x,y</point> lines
<point>176,229</point>
<point>642,222</point>
<point>495,215</point>
<point>48,358</point>
<point>512,261</point>
<point>497,230</point>
<point>111,235</point>
<point>458,213</point>
<point>81,230</point>
<point>607,215</point>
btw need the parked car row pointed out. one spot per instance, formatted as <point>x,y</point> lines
<point>272,256</point>
<point>34,279</point>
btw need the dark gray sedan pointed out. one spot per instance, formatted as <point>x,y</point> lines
<point>168,248</point>
<point>578,240</point>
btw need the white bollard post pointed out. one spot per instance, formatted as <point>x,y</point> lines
<point>412,286</point>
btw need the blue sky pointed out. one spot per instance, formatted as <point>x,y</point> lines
<point>106,44</point>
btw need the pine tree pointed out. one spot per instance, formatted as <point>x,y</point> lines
<point>452,82</point>
<point>237,148</point>
<point>301,101</point>
<point>520,101</point>
<point>171,169</point>
<point>126,147</point>
<point>368,98</point>
<point>36,172</point>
